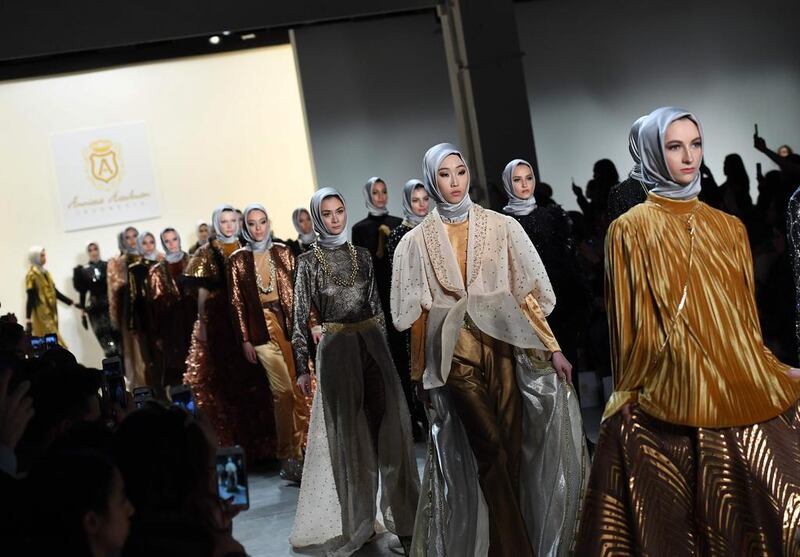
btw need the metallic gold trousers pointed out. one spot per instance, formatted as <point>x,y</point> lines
<point>482,384</point>
<point>291,411</point>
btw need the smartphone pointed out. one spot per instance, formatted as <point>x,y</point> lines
<point>181,395</point>
<point>142,394</point>
<point>37,347</point>
<point>113,388</point>
<point>50,341</point>
<point>232,477</point>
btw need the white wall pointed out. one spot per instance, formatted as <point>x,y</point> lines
<point>592,68</point>
<point>223,128</point>
<point>377,96</point>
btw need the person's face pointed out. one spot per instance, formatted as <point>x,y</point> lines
<point>783,151</point>
<point>227,223</point>
<point>304,219</point>
<point>379,195</point>
<point>452,179</point>
<point>171,241</point>
<point>94,253</point>
<point>522,180</point>
<point>240,219</point>
<point>420,201</point>
<point>257,225</point>
<point>334,215</point>
<point>148,244</point>
<point>108,531</point>
<point>202,233</point>
<point>43,257</point>
<point>130,237</point>
<point>683,150</point>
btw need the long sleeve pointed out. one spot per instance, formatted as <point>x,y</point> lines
<point>410,293</point>
<point>238,307</point>
<point>61,297</point>
<point>539,323</point>
<point>301,334</point>
<point>419,332</point>
<point>528,274</point>
<point>32,299</point>
<point>619,289</point>
<point>793,228</point>
<point>375,300</point>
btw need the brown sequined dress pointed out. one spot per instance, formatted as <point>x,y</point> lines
<point>233,393</point>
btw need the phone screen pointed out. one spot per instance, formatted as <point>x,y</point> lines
<point>232,476</point>
<point>114,383</point>
<point>182,396</point>
<point>50,341</point>
<point>37,346</point>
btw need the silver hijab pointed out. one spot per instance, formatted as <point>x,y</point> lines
<point>326,239</point>
<point>35,256</point>
<point>410,217</point>
<point>655,171</point>
<point>306,239</point>
<point>373,210</point>
<point>215,219</point>
<point>449,212</point>
<point>140,246</point>
<point>633,148</point>
<point>172,256</point>
<point>517,205</point>
<point>252,244</point>
<point>123,247</point>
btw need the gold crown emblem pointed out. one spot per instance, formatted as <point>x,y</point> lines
<point>101,146</point>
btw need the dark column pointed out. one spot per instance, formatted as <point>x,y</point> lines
<point>489,90</point>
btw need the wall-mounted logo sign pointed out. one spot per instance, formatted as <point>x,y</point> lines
<point>105,176</point>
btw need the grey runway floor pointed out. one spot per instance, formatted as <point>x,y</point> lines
<point>264,529</point>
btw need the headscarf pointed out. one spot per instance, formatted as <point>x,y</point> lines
<point>140,246</point>
<point>172,256</point>
<point>197,229</point>
<point>410,217</point>
<point>306,239</point>
<point>215,220</point>
<point>633,148</point>
<point>252,245</point>
<point>655,171</point>
<point>325,238</point>
<point>373,210</point>
<point>35,256</point>
<point>516,205</point>
<point>450,212</point>
<point>123,246</point>
<point>95,244</point>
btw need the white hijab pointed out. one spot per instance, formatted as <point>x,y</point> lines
<point>215,220</point>
<point>517,205</point>
<point>35,256</point>
<point>449,212</point>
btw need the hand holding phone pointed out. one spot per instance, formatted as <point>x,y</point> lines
<point>181,395</point>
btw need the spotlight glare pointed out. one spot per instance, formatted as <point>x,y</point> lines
<point>214,39</point>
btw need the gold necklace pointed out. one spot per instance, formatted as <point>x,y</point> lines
<point>271,286</point>
<point>351,280</point>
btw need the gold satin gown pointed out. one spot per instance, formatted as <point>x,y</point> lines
<point>710,462</point>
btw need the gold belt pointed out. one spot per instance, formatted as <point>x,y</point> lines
<point>357,327</point>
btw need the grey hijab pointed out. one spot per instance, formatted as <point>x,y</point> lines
<point>517,205</point>
<point>153,256</point>
<point>123,247</point>
<point>655,171</point>
<point>449,212</point>
<point>172,256</point>
<point>633,148</point>
<point>411,218</point>
<point>326,239</point>
<point>306,239</point>
<point>253,245</point>
<point>215,219</point>
<point>373,210</point>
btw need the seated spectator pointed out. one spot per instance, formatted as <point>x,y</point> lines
<point>78,506</point>
<point>167,462</point>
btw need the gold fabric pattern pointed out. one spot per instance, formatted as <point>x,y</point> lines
<point>44,318</point>
<point>660,489</point>
<point>458,234</point>
<point>714,370</point>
